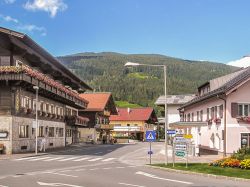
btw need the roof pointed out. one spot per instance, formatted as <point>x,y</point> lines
<point>174,99</point>
<point>98,101</point>
<point>26,40</point>
<point>134,114</point>
<point>243,76</point>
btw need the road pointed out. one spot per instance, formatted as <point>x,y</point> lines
<point>98,166</point>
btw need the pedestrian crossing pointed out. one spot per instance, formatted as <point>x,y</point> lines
<point>64,159</point>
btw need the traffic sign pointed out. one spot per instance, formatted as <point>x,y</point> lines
<point>150,136</point>
<point>180,153</point>
<point>188,136</point>
<point>171,131</point>
<point>182,147</point>
<point>180,139</point>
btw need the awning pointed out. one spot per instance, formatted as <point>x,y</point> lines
<point>188,124</point>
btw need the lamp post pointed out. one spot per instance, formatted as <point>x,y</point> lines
<point>36,88</point>
<point>131,64</point>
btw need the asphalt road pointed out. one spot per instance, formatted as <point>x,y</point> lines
<point>99,166</point>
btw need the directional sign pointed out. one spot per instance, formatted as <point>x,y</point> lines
<point>180,139</point>
<point>180,153</point>
<point>188,136</point>
<point>150,136</point>
<point>171,131</point>
<point>181,147</point>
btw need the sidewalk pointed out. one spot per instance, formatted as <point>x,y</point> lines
<point>55,150</point>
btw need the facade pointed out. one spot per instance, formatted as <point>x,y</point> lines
<point>100,107</point>
<point>133,123</point>
<point>23,65</point>
<point>173,103</point>
<point>218,117</point>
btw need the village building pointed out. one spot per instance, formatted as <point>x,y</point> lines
<point>100,107</point>
<point>132,123</point>
<point>174,102</point>
<point>26,69</point>
<point>218,118</point>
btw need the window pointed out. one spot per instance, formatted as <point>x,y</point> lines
<point>23,131</point>
<point>41,106</point>
<point>68,133</point>
<point>201,115</point>
<point>52,109</point>
<point>74,112</point>
<point>221,111</point>
<point>198,116</point>
<point>117,125</point>
<point>185,117</point>
<point>192,116</point>
<point>245,140</point>
<point>41,131</point>
<point>51,131</point>
<point>61,111</point>
<point>212,113</point>
<point>215,112</point>
<point>208,113</point>
<point>47,108</point>
<point>5,61</point>
<point>60,132</point>
<point>243,109</point>
<point>68,112</point>
<point>188,117</point>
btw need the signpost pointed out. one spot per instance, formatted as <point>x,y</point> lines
<point>180,146</point>
<point>169,131</point>
<point>150,137</point>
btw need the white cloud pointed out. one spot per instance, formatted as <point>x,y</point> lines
<point>22,26</point>
<point>243,62</point>
<point>9,1</point>
<point>50,6</point>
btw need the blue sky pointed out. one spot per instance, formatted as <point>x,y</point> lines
<point>215,30</point>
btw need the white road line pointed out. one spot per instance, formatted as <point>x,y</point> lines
<point>155,177</point>
<point>94,169</point>
<point>63,171</point>
<point>126,184</point>
<point>85,158</point>
<point>132,166</point>
<point>56,184</point>
<point>98,153</point>
<point>108,159</point>
<point>61,174</point>
<point>106,168</point>
<point>120,167</point>
<point>95,159</point>
<point>57,158</point>
<point>66,159</point>
<point>3,186</point>
<point>26,158</point>
<point>41,158</point>
<point>80,169</point>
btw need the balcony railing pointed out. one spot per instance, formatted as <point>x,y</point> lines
<point>76,120</point>
<point>41,77</point>
<point>128,129</point>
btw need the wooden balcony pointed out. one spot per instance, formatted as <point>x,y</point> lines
<point>47,85</point>
<point>76,120</point>
<point>106,126</point>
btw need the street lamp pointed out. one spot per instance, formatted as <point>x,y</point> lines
<point>130,64</point>
<point>36,88</point>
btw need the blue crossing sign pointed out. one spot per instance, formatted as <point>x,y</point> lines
<point>150,136</point>
<point>170,131</point>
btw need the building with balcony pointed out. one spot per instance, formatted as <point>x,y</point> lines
<point>100,107</point>
<point>23,65</point>
<point>218,118</point>
<point>133,123</point>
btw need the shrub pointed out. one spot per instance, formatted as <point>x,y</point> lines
<point>245,164</point>
<point>230,162</point>
<point>217,162</point>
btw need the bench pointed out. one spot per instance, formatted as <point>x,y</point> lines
<point>1,148</point>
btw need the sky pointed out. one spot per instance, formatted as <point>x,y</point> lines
<point>214,30</point>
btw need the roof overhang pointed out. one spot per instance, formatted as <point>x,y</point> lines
<point>185,124</point>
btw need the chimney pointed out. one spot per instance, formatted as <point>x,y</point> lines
<point>129,110</point>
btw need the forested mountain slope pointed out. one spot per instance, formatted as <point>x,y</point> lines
<point>141,85</point>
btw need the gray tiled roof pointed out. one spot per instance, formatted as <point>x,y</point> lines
<point>223,89</point>
<point>174,99</point>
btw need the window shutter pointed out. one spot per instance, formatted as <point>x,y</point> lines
<point>234,110</point>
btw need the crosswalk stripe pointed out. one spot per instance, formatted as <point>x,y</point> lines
<point>85,158</point>
<point>41,158</point>
<point>26,158</point>
<point>57,158</point>
<point>95,159</point>
<point>66,159</point>
<point>108,159</point>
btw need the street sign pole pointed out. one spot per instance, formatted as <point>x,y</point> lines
<point>150,153</point>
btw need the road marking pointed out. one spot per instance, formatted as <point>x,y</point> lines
<point>108,159</point>
<point>63,171</point>
<point>98,153</point>
<point>132,166</point>
<point>82,159</point>
<point>95,159</point>
<point>57,158</point>
<point>155,177</point>
<point>120,167</point>
<point>66,159</point>
<point>56,184</point>
<point>3,186</point>
<point>106,168</point>
<point>126,184</point>
<point>94,169</point>
<point>41,158</point>
<point>61,174</point>
<point>26,158</point>
<point>80,169</point>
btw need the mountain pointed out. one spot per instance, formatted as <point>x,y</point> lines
<point>243,62</point>
<point>141,85</point>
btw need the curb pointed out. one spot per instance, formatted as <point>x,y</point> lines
<point>200,174</point>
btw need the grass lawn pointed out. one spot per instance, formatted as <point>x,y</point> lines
<point>125,104</point>
<point>204,168</point>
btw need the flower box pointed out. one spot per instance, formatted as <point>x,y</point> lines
<point>245,119</point>
<point>217,120</point>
